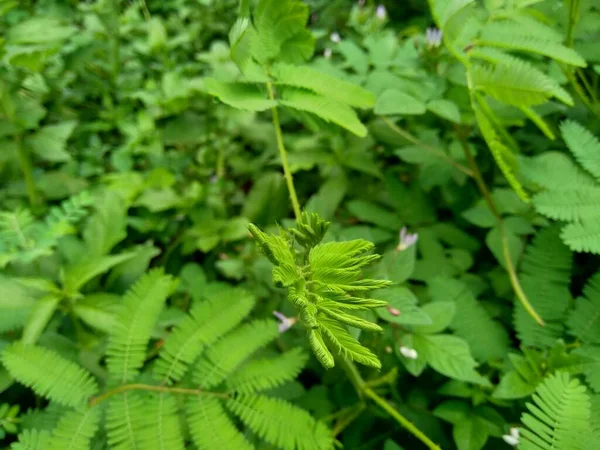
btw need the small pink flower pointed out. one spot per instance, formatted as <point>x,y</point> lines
<point>393,311</point>
<point>433,37</point>
<point>285,323</point>
<point>406,239</point>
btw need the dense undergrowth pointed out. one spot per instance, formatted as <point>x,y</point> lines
<point>278,224</point>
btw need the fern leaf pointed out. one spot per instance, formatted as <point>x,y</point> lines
<point>32,440</point>
<point>569,205</point>
<point>210,426</point>
<point>545,169</point>
<point>487,339</point>
<point>330,309</point>
<point>559,415</point>
<point>49,374</point>
<point>207,322</point>
<point>324,84</point>
<point>239,95</point>
<point>75,430</point>
<point>515,84</point>
<point>126,418</point>
<point>281,424</point>
<point>545,277</point>
<point>315,339</point>
<point>231,351</point>
<point>584,320</point>
<point>346,345</point>
<point>582,236</point>
<point>584,145</point>
<point>519,42</point>
<point>134,323</point>
<point>262,374</point>
<point>325,108</point>
<point>163,430</point>
<point>590,364</point>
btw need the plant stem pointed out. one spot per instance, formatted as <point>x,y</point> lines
<point>148,387</point>
<point>510,268</point>
<point>401,419</point>
<point>283,154</point>
<point>116,41</point>
<point>573,18</point>
<point>409,137</point>
<point>348,419</point>
<point>362,389</point>
<point>26,168</point>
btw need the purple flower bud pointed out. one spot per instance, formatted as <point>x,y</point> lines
<point>285,323</point>
<point>380,12</point>
<point>406,239</point>
<point>393,311</point>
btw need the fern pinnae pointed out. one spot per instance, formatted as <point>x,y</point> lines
<point>75,430</point>
<point>206,323</point>
<point>141,306</point>
<point>49,374</point>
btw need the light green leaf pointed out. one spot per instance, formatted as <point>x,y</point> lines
<point>40,315</point>
<point>470,433</point>
<point>445,109</point>
<point>441,314</point>
<point>405,302</point>
<point>392,102</point>
<point>239,95</point>
<point>49,143</point>
<point>513,386</point>
<point>77,275</point>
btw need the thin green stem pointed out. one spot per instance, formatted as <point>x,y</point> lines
<point>27,170</point>
<point>348,419</point>
<point>510,268</point>
<point>148,387</point>
<point>573,18</point>
<point>115,51</point>
<point>414,140</point>
<point>401,419</point>
<point>362,389</point>
<point>283,154</point>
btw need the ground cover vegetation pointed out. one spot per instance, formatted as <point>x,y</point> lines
<point>286,224</point>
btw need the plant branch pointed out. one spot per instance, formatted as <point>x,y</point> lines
<point>510,268</point>
<point>283,154</point>
<point>414,140</point>
<point>362,389</point>
<point>148,387</point>
<point>348,419</point>
<point>401,419</point>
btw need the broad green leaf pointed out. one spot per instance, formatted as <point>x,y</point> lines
<point>327,109</point>
<point>513,386</point>
<point>441,314</point>
<point>394,102</point>
<point>445,109</point>
<point>470,433</point>
<point>239,95</point>
<point>404,301</point>
<point>40,30</point>
<point>40,315</point>
<point>450,356</point>
<point>324,84</point>
<point>77,275</point>
<point>49,143</point>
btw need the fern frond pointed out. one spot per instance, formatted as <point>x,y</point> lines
<point>49,374</point>
<point>584,146</point>
<point>261,374</point>
<point>310,229</point>
<point>226,355</point>
<point>487,339</point>
<point>584,320</point>
<point>327,109</point>
<point>280,423</point>
<point>331,310</point>
<point>317,344</point>
<point>590,365</point>
<point>569,205</point>
<point>496,37</point>
<point>32,440</point>
<point>582,236</point>
<point>125,420</point>
<point>207,322</point>
<point>345,345</point>
<point>135,320</point>
<point>211,427</point>
<point>163,430</point>
<point>545,169</point>
<point>559,415</point>
<point>339,255</point>
<point>515,84</point>
<point>545,277</point>
<point>324,84</point>
<point>75,430</point>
